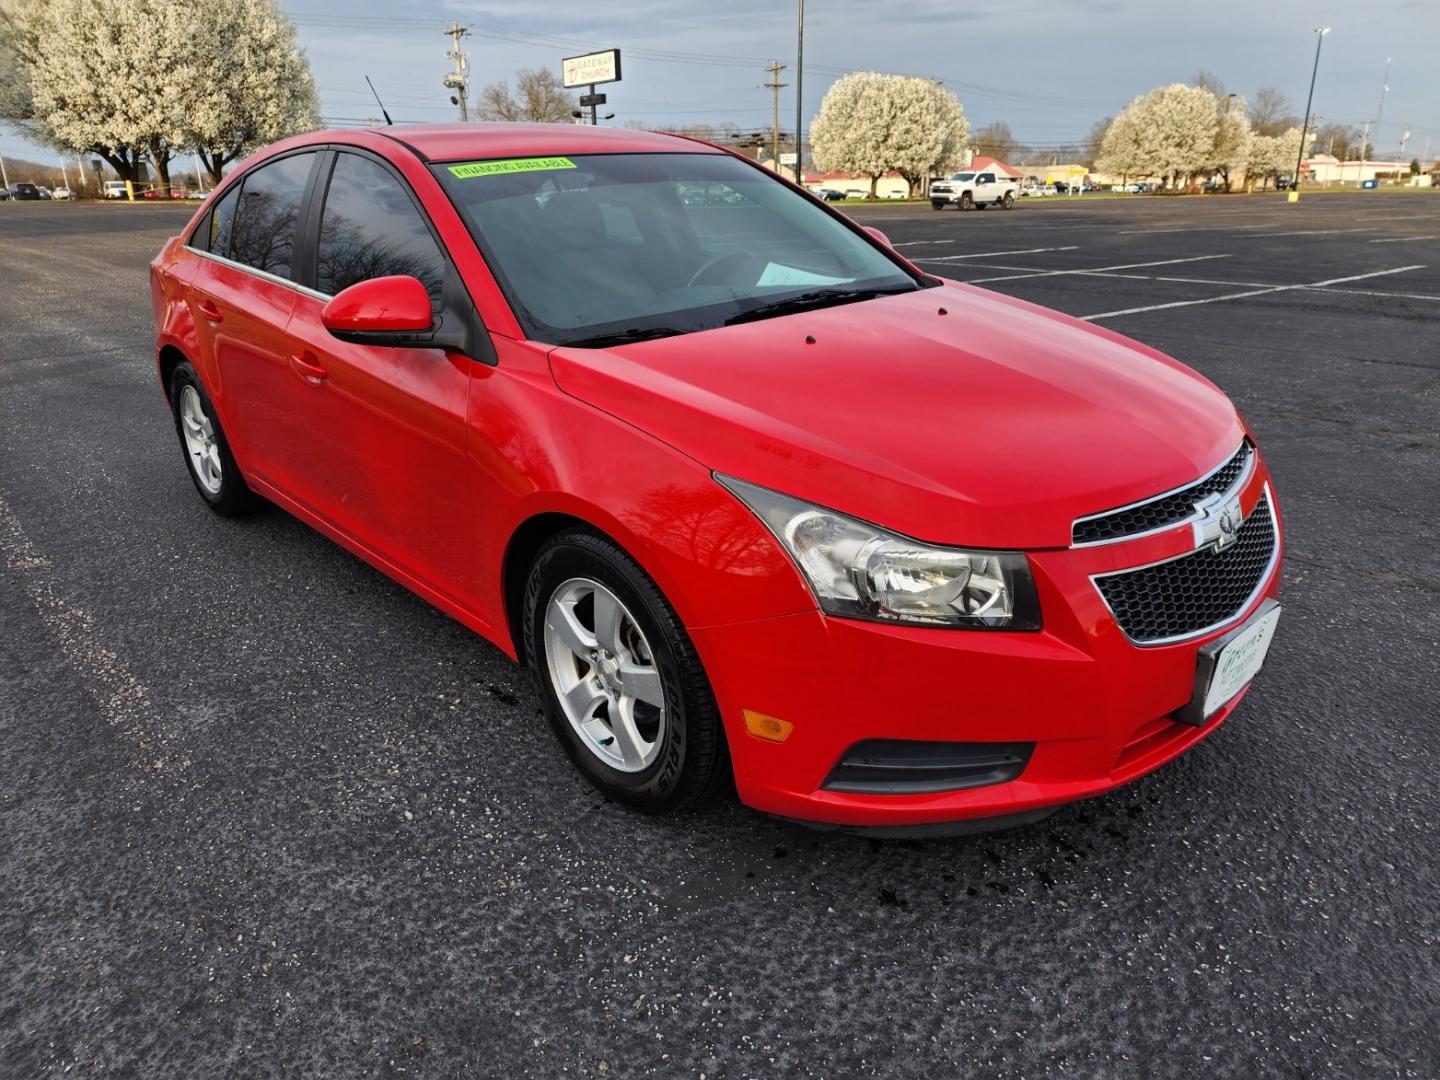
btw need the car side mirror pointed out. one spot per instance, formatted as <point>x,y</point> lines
<point>392,311</point>
<point>878,235</point>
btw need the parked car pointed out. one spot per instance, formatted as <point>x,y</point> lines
<point>967,190</point>
<point>983,577</point>
<point>894,193</point>
<point>61,193</point>
<point>856,193</point>
<point>113,189</point>
<point>4,194</point>
<point>830,194</point>
<point>26,192</point>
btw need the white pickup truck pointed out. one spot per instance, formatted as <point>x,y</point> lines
<point>971,189</point>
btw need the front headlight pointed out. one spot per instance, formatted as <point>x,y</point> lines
<point>862,571</point>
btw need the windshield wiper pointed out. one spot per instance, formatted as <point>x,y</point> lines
<point>624,337</point>
<point>810,301</point>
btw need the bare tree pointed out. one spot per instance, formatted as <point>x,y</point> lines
<point>1208,80</point>
<point>1271,112</point>
<point>996,140</point>
<point>1340,140</point>
<point>1095,139</point>
<point>539,97</point>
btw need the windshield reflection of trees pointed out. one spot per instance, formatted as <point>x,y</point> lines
<point>349,254</point>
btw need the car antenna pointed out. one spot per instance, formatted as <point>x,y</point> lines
<point>379,102</point>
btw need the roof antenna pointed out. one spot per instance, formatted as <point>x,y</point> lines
<point>378,101</point>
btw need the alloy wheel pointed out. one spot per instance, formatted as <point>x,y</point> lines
<point>604,675</point>
<point>201,445</point>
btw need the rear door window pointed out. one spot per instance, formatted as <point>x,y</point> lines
<point>263,232</point>
<point>371,228</point>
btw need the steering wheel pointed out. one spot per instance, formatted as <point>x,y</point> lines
<point>717,260</point>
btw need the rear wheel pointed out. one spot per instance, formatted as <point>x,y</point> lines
<point>967,201</point>
<point>1009,201</point>
<point>207,452</point>
<point>621,683</point>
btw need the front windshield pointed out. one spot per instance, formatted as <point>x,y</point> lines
<point>593,249</point>
<point>963,176</point>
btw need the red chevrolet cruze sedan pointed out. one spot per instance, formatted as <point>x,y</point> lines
<point>744,488</point>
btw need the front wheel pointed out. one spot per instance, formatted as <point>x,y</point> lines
<point>937,204</point>
<point>621,683</point>
<point>967,201</point>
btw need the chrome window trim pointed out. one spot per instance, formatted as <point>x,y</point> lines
<point>1240,483</point>
<point>1259,589</point>
<point>263,275</point>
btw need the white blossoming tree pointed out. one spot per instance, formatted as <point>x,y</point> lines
<point>1232,138</point>
<point>1123,151</point>
<point>871,123</point>
<point>1271,156</point>
<point>143,80</point>
<point>249,83</point>
<point>1168,132</point>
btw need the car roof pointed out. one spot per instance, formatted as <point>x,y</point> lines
<point>460,142</point>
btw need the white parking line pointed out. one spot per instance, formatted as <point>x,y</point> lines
<point>990,254</point>
<point>1249,293</point>
<point>1404,239</point>
<point>1304,232</point>
<point>913,243</point>
<point>1097,269</point>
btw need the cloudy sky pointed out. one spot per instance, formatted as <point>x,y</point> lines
<point>1049,68</point>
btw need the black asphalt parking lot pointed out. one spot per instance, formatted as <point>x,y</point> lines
<point>264,813</point>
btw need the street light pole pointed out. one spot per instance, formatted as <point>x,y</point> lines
<point>799,97</point>
<point>1320,32</point>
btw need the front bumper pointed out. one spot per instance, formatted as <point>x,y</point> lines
<point>1099,709</point>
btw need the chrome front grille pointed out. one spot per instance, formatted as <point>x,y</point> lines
<point>1163,511</point>
<point>1196,592</point>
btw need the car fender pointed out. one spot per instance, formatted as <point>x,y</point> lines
<point>712,557</point>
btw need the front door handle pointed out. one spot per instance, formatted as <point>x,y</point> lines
<point>306,366</point>
<point>209,310</point>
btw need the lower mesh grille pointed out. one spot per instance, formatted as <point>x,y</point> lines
<point>1194,592</point>
<point>913,767</point>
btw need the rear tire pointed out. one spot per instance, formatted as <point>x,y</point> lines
<point>208,459</point>
<point>638,718</point>
<point>1009,201</point>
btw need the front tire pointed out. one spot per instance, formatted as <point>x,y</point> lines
<point>621,683</point>
<point>208,459</point>
<point>967,201</point>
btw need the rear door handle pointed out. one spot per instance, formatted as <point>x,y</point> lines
<point>307,368</point>
<point>209,310</point>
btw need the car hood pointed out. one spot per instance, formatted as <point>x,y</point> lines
<point>951,414</point>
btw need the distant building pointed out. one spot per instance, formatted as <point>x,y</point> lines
<point>890,186</point>
<point>1324,169</point>
<point>981,163</point>
<point>1055,174</point>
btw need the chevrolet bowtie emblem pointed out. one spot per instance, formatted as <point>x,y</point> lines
<point>1218,525</point>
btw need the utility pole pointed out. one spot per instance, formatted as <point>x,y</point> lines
<point>800,95</point>
<point>775,86</point>
<point>1380,111</point>
<point>458,79</point>
<point>4,180</point>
